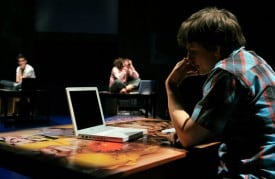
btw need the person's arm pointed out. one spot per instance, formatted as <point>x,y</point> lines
<point>132,71</point>
<point>188,132</point>
<point>19,75</point>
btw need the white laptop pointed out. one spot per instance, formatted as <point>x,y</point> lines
<point>88,118</point>
<point>145,87</point>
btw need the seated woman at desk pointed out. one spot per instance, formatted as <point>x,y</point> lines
<point>23,70</point>
<point>124,77</point>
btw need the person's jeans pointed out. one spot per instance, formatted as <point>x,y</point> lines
<point>7,84</point>
<point>118,85</point>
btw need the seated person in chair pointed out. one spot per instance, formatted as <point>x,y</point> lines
<point>23,70</point>
<point>124,77</point>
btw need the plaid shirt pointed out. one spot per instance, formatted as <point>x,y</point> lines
<point>238,105</point>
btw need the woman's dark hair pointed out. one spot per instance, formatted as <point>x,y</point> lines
<point>119,62</point>
<point>212,27</point>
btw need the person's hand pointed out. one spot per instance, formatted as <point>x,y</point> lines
<point>131,66</point>
<point>130,62</point>
<point>173,139</point>
<point>21,67</point>
<point>182,70</point>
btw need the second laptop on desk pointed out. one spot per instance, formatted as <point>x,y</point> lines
<point>145,87</point>
<point>88,118</point>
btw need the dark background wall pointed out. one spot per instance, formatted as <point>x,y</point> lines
<point>74,42</point>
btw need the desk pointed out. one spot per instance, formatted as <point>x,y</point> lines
<point>54,152</point>
<point>32,96</point>
<point>149,99</point>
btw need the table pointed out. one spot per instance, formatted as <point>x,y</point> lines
<point>149,99</point>
<point>53,151</point>
<point>35,98</point>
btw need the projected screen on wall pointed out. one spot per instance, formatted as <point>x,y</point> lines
<point>77,16</point>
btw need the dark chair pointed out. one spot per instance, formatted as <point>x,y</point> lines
<point>30,84</point>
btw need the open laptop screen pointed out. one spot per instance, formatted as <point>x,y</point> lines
<point>86,108</point>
